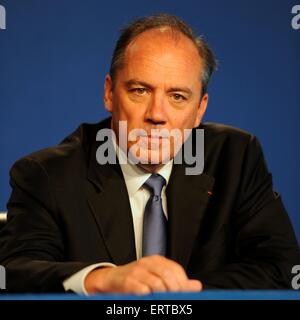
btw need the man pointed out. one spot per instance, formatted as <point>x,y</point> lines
<point>77,225</point>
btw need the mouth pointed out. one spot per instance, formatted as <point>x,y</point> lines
<point>156,134</point>
<point>152,140</point>
<point>153,137</point>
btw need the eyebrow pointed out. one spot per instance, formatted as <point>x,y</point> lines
<point>181,89</point>
<point>133,82</point>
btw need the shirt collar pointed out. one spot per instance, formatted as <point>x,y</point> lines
<point>134,176</point>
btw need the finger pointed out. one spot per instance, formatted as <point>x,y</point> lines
<point>171,280</point>
<point>136,287</point>
<point>155,283</point>
<point>180,275</point>
<point>194,285</point>
<point>152,281</point>
<point>171,273</point>
<point>121,279</point>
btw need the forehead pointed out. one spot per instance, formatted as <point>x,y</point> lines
<point>165,53</point>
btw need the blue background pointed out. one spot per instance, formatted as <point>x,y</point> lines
<point>54,56</point>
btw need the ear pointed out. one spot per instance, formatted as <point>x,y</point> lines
<point>201,110</point>
<point>108,93</point>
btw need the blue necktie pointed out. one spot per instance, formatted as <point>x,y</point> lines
<point>155,222</point>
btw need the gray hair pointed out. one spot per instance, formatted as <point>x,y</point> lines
<point>143,24</point>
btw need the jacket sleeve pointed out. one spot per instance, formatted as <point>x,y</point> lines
<point>264,244</point>
<point>31,243</point>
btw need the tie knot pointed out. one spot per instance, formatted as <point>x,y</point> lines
<point>155,184</point>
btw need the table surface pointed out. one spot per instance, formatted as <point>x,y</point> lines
<point>205,295</point>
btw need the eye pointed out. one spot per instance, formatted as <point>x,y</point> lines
<point>139,91</point>
<point>178,97</point>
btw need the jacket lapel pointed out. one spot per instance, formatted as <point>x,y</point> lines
<point>110,205</point>
<point>187,199</point>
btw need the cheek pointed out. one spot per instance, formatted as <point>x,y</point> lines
<point>127,109</point>
<point>184,119</point>
<point>133,118</point>
<point>120,109</point>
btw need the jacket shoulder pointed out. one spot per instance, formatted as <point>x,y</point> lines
<point>71,154</point>
<point>226,146</point>
<point>222,131</point>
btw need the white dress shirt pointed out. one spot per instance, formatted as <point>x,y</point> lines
<point>134,178</point>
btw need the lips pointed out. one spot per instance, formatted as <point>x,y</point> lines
<point>150,142</point>
<point>164,134</point>
<point>153,137</point>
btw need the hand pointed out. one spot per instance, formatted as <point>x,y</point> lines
<point>148,274</point>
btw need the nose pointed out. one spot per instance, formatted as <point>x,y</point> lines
<point>156,110</point>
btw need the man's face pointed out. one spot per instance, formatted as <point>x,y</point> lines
<point>159,87</point>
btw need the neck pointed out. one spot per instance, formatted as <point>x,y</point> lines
<point>152,168</point>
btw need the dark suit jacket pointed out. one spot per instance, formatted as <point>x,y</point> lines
<point>66,211</point>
